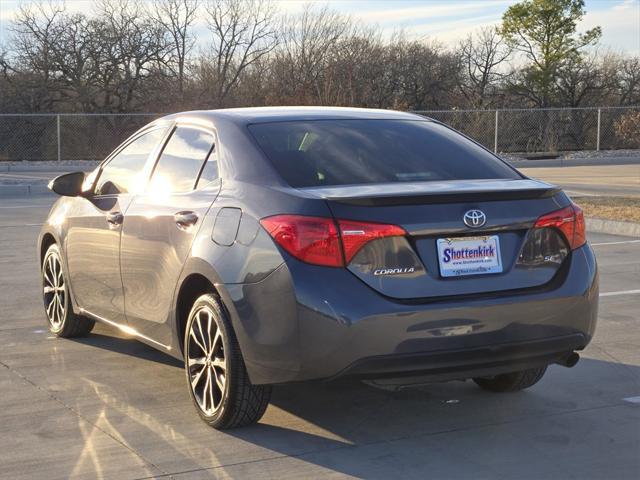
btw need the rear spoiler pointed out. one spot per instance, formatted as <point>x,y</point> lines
<point>448,197</point>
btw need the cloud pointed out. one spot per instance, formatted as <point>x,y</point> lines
<point>7,10</point>
<point>451,32</point>
<point>429,12</point>
<point>620,25</point>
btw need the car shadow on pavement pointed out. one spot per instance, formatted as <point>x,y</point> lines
<point>128,346</point>
<point>455,429</point>
<point>447,430</point>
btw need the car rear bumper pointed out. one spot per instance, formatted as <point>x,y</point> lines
<point>471,362</point>
<point>304,322</point>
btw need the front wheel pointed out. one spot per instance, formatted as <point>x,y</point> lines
<point>57,303</point>
<point>511,382</point>
<point>216,374</point>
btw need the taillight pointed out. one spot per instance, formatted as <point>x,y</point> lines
<point>310,239</point>
<point>316,239</point>
<point>570,221</point>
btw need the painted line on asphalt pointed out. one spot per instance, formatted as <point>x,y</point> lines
<point>614,243</point>
<point>632,399</point>
<point>583,194</point>
<point>622,292</point>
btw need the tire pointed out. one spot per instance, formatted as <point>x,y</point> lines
<point>57,302</point>
<point>216,375</point>
<point>511,382</point>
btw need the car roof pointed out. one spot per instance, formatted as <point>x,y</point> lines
<point>246,116</point>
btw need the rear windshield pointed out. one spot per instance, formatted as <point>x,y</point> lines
<point>347,152</point>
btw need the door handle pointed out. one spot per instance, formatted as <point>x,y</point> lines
<point>185,220</point>
<point>115,218</point>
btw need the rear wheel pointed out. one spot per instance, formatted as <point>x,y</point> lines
<point>216,374</point>
<point>57,304</point>
<point>511,382</point>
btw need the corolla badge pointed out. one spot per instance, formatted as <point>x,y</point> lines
<point>393,271</point>
<point>474,218</point>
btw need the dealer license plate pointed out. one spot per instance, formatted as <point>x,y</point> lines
<point>469,256</point>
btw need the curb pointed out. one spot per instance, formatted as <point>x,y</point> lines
<point>35,167</point>
<point>23,190</point>
<point>613,227</point>
<point>572,162</point>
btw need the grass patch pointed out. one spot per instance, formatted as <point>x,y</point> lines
<point>624,209</point>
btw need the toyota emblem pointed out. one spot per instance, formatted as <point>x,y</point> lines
<point>474,218</point>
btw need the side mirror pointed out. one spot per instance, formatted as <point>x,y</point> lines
<point>68,185</point>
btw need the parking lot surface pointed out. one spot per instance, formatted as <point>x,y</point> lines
<point>109,407</point>
<point>610,180</point>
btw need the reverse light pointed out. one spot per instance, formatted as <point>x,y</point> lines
<point>356,235</point>
<point>570,221</point>
<point>322,240</point>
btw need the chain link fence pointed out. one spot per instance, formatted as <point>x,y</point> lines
<point>547,130</point>
<point>33,137</point>
<point>36,137</point>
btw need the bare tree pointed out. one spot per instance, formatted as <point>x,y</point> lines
<point>244,31</point>
<point>177,18</point>
<point>427,74</point>
<point>134,48</point>
<point>483,58</point>
<point>309,45</point>
<point>35,33</point>
<point>360,70</point>
<point>582,82</point>
<point>629,82</point>
<point>127,55</point>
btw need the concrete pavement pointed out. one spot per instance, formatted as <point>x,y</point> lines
<point>110,407</point>
<point>614,180</point>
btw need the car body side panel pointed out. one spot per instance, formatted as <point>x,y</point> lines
<point>249,255</point>
<point>153,252</point>
<point>252,257</point>
<point>92,248</point>
<point>265,319</point>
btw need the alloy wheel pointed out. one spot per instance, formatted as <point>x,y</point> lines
<point>55,293</point>
<point>206,361</point>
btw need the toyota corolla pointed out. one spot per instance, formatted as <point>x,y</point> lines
<point>271,245</point>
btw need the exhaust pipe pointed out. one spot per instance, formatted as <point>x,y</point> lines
<point>569,360</point>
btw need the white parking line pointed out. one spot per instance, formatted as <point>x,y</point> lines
<point>632,399</point>
<point>622,292</point>
<point>583,194</point>
<point>614,243</point>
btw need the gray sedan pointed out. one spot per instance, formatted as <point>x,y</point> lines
<point>272,245</point>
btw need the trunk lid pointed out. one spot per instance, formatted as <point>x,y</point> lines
<point>411,267</point>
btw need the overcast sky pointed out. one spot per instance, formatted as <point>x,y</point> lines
<point>445,20</point>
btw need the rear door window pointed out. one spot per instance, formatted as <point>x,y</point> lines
<point>343,152</point>
<point>181,161</point>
